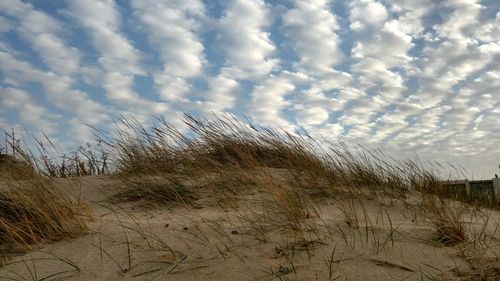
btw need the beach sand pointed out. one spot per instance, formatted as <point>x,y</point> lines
<point>394,240</point>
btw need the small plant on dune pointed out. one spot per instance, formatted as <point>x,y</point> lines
<point>277,205</point>
<point>350,213</point>
<point>155,189</point>
<point>290,206</point>
<point>16,161</point>
<point>447,219</point>
<point>14,168</point>
<point>82,162</point>
<point>333,264</point>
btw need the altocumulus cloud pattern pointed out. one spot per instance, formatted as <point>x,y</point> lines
<point>406,76</point>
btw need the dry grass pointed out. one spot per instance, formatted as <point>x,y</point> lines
<point>222,143</point>
<point>37,211</point>
<point>447,219</point>
<point>32,208</point>
<point>15,163</point>
<point>290,170</point>
<point>156,189</point>
<point>12,168</point>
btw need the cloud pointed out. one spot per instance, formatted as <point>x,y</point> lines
<point>268,99</point>
<point>381,45</point>
<point>411,14</point>
<point>312,115</point>
<point>6,25</point>
<point>222,94</point>
<point>408,76</point>
<point>43,33</point>
<point>241,34</point>
<point>29,111</point>
<point>489,31</point>
<point>390,45</point>
<point>16,71</point>
<point>367,15</point>
<point>58,90</point>
<point>314,105</point>
<point>245,41</point>
<point>171,27</point>
<point>452,53</point>
<point>119,87</point>
<point>312,29</point>
<point>102,20</point>
<point>120,60</point>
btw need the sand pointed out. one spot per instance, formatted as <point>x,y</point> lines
<point>131,241</point>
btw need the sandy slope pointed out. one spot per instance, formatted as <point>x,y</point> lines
<point>131,242</point>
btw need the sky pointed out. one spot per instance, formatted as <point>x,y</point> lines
<point>411,77</point>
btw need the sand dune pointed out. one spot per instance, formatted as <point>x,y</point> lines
<point>394,240</point>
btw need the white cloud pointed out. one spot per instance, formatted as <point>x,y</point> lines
<point>102,20</point>
<point>313,106</point>
<point>452,52</point>
<point>61,59</point>
<point>29,111</point>
<point>43,33</point>
<point>411,14</point>
<point>248,49</point>
<point>381,44</point>
<point>390,45</point>
<point>312,29</point>
<point>16,71</point>
<point>119,88</point>
<point>120,60</point>
<point>489,31</point>
<point>330,131</point>
<point>58,90</point>
<point>311,115</point>
<point>461,22</point>
<point>245,41</point>
<point>222,94</point>
<point>367,15</point>
<point>171,28</point>
<point>268,99</point>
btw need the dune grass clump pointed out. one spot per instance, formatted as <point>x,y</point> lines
<point>207,145</point>
<point>12,168</point>
<point>289,171</point>
<point>447,219</point>
<point>210,146</point>
<point>36,211</point>
<point>271,177</point>
<point>32,208</point>
<point>157,190</point>
<point>15,163</point>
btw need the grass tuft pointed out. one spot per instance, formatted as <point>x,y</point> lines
<point>32,208</point>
